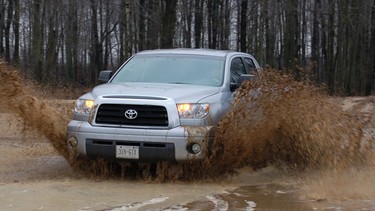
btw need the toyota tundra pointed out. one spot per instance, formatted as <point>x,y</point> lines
<point>160,105</point>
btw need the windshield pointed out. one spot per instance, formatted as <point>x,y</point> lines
<point>175,69</point>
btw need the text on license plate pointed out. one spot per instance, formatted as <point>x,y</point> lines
<point>127,152</point>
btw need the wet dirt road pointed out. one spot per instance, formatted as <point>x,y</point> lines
<point>34,177</point>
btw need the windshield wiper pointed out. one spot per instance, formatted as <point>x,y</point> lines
<point>177,83</point>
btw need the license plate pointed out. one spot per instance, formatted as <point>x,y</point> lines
<point>127,152</point>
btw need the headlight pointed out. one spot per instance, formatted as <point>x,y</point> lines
<point>83,106</point>
<point>192,111</point>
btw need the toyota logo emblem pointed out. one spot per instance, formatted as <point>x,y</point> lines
<point>131,114</point>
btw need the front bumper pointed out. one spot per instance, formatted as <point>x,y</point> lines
<point>155,145</point>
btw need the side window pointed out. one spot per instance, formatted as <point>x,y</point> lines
<point>237,68</point>
<point>251,68</point>
<point>249,63</point>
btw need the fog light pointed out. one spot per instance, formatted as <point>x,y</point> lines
<point>196,148</point>
<point>72,142</point>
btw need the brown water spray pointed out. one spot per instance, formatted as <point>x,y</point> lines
<point>35,113</point>
<point>278,120</point>
<point>40,116</point>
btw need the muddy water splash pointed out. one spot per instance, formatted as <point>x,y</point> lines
<point>35,113</point>
<point>41,117</point>
<point>274,121</point>
<point>280,121</point>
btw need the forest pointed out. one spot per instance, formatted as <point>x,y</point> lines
<point>70,41</point>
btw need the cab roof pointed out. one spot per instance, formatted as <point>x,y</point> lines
<point>192,51</point>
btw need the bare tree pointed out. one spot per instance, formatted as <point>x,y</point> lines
<point>72,40</point>
<point>168,23</point>
<point>16,30</point>
<point>37,40</point>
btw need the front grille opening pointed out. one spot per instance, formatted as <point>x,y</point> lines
<point>154,145</point>
<point>108,143</point>
<point>128,144</point>
<point>147,115</point>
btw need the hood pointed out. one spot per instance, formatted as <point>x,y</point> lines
<point>180,93</point>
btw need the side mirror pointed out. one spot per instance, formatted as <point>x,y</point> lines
<point>246,77</point>
<point>241,79</point>
<point>105,75</point>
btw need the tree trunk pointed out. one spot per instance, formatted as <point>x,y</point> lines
<point>330,66</point>
<point>315,39</point>
<point>226,25</point>
<point>304,33</point>
<point>153,25</point>
<point>323,44</point>
<point>168,23</point>
<point>186,7</point>
<point>7,30</point>
<point>290,34</point>
<point>123,30</point>
<point>37,41</point>
<point>372,52</point>
<point>96,48</point>
<point>214,24</point>
<point>243,26</point>
<point>198,22</point>
<point>270,35</point>
<point>16,29</point>
<point>142,29</point>
<point>2,26</point>
<point>71,39</point>
<point>51,54</point>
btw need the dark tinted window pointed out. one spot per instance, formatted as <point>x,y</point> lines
<point>237,68</point>
<point>251,69</point>
<point>249,63</point>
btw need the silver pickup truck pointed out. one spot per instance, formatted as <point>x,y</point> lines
<point>160,105</point>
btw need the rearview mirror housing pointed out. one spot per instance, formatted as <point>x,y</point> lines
<point>105,75</point>
<point>242,78</point>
